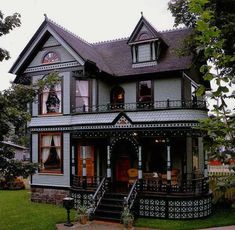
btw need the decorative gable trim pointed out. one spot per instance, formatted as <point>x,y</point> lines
<point>33,43</point>
<point>122,120</point>
<point>143,31</point>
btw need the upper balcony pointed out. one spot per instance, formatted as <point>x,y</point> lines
<point>142,106</point>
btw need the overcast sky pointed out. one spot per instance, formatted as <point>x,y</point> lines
<point>93,20</point>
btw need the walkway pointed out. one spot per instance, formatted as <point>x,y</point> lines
<point>101,225</point>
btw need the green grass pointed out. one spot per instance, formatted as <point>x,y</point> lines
<point>219,218</point>
<point>18,212</point>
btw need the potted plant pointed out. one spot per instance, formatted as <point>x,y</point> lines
<point>82,214</point>
<point>127,218</point>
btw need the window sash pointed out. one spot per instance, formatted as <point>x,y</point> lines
<point>50,157</point>
<point>56,95</point>
<point>145,91</point>
<point>144,53</point>
<point>82,94</point>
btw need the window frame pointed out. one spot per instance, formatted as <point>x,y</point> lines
<point>40,151</point>
<point>52,61</point>
<point>86,108</point>
<point>40,104</point>
<point>138,91</point>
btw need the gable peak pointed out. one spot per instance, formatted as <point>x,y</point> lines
<point>143,31</point>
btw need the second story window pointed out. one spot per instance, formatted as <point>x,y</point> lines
<point>50,102</point>
<point>82,95</point>
<point>145,91</point>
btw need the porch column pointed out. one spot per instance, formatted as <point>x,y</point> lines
<point>140,173</point>
<point>201,155</point>
<point>108,162</point>
<point>84,183</point>
<point>168,175</point>
<point>205,165</point>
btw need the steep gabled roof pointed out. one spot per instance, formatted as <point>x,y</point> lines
<point>150,31</point>
<point>112,57</point>
<point>117,54</point>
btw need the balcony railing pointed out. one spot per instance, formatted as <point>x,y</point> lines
<point>142,106</point>
<point>190,184</point>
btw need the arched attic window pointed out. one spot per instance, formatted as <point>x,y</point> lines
<point>50,57</point>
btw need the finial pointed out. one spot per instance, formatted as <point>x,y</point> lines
<point>46,18</point>
<point>141,13</point>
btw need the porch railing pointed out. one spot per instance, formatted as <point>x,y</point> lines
<point>138,106</point>
<point>187,185</point>
<point>130,199</point>
<point>99,193</point>
<point>79,182</point>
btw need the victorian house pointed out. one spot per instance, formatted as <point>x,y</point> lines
<point>120,128</point>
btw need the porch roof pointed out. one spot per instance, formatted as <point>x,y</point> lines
<point>177,115</point>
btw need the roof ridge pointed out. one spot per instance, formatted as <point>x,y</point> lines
<point>109,41</point>
<point>173,30</point>
<point>68,31</point>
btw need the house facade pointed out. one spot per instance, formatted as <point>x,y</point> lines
<point>120,124</point>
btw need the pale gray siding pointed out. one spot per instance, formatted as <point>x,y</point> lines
<point>66,92</point>
<point>169,88</point>
<point>104,93</point>
<point>64,55</point>
<point>53,179</point>
<point>130,92</point>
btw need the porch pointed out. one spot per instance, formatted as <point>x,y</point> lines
<point>149,197</point>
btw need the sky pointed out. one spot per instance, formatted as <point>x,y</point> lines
<point>93,20</point>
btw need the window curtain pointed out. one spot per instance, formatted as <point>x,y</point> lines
<point>82,92</point>
<point>46,144</point>
<point>57,141</point>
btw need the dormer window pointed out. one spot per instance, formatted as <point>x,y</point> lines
<point>144,53</point>
<point>50,57</point>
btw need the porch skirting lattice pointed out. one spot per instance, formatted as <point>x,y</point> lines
<point>172,207</point>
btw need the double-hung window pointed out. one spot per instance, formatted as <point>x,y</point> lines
<point>50,153</point>
<point>82,96</point>
<point>51,100</point>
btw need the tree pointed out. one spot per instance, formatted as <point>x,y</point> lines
<point>6,25</point>
<point>213,44</point>
<point>14,113</point>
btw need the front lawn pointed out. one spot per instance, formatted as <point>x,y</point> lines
<point>18,212</point>
<point>219,218</point>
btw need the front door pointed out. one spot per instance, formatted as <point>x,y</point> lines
<point>121,177</point>
<point>89,160</point>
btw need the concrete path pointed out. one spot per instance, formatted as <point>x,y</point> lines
<point>97,225</point>
<point>102,225</point>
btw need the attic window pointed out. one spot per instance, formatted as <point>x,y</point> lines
<point>144,53</point>
<point>50,57</point>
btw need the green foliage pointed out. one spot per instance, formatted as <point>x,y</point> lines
<point>213,42</point>
<point>13,119</point>
<point>11,168</point>
<point>127,217</point>
<point>6,25</point>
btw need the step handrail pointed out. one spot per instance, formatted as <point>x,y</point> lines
<point>130,199</point>
<point>99,193</point>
